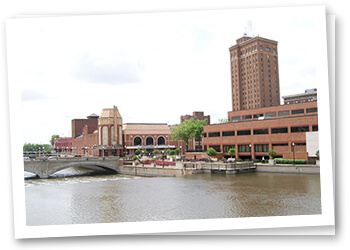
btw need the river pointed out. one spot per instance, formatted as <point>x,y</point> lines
<point>121,198</point>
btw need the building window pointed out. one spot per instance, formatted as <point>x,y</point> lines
<point>300,144</point>
<point>227,148</point>
<point>280,145</point>
<point>261,148</point>
<point>246,117</point>
<point>270,114</point>
<point>261,131</point>
<point>279,130</point>
<point>161,140</point>
<point>149,140</point>
<point>314,127</point>
<point>311,110</point>
<point>214,134</point>
<point>236,118</point>
<point>228,133</point>
<point>243,132</point>
<point>244,148</point>
<point>282,113</point>
<point>258,115</point>
<point>299,129</point>
<point>216,147</point>
<point>137,141</point>
<point>297,111</point>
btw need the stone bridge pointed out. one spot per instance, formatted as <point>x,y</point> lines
<point>44,168</point>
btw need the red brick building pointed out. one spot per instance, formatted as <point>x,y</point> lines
<point>254,73</point>
<point>149,137</point>
<point>63,145</point>
<point>253,132</point>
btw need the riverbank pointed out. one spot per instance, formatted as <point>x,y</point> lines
<point>198,168</point>
<point>288,168</point>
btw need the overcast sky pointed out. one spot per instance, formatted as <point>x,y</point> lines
<point>154,67</point>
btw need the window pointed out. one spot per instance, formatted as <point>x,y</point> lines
<point>216,147</point>
<point>243,132</point>
<point>228,133</point>
<point>244,148</point>
<point>299,129</point>
<point>279,130</point>
<point>282,113</point>
<point>280,145</point>
<point>227,148</point>
<point>246,117</point>
<point>270,114</point>
<point>297,111</point>
<point>314,127</point>
<point>214,134</point>
<point>258,115</point>
<point>267,49</point>
<point>261,148</point>
<point>300,144</point>
<point>311,110</point>
<point>236,118</point>
<point>261,131</point>
<point>137,141</point>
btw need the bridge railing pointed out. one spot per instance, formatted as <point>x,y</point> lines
<point>220,166</point>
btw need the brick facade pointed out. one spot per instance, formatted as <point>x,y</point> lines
<point>252,138</point>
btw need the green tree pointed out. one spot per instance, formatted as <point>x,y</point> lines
<point>231,152</point>
<point>318,154</point>
<point>211,152</point>
<point>177,151</point>
<point>155,152</point>
<point>271,153</point>
<point>188,129</point>
<point>52,141</point>
<point>223,120</point>
<point>138,151</point>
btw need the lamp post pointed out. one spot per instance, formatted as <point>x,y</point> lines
<point>293,144</point>
<point>250,150</point>
<point>181,153</point>
<point>163,158</point>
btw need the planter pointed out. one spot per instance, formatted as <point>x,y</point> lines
<point>134,164</point>
<point>272,162</point>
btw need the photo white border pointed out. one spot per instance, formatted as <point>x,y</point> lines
<point>326,219</point>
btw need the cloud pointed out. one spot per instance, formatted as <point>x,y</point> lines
<point>29,95</point>
<point>90,69</point>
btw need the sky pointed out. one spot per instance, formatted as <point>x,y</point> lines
<point>154,67</point>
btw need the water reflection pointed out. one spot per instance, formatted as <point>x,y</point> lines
<point>117,198</point>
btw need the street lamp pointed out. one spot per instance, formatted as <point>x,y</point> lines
<point>293,144</point>
<point>250,150</point>
<point>163,158</point>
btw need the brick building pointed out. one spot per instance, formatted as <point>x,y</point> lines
<point>63,145</point>
<point>309,96</point>
<point>85,135</point>
<point>106,135</point>
<point>149,137</point>
<point>257,122</point>
<point>254,73</point>
<point>253,132</point>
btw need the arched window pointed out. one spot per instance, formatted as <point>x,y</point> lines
<point>149,140</point>
<point>161,140</point>
<point>137,141</point>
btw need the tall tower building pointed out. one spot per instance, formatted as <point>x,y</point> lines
<point>254,73</point>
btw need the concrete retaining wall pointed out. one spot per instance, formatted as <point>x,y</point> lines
<point>150,171</point>
<point>299,169</point>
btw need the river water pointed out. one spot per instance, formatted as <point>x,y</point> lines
<point>122,198</point>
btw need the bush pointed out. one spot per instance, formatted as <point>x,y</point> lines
<point>134,158</point>
<point>289,161</point>
<point>211,152</point>
<point>138,151</point>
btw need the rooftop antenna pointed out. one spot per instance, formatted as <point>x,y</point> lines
<point>249,29</point>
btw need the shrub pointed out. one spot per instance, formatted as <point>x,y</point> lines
<point>271,153</point>
<point>211,152</point>
<point>155,152</point>
<point>289,161</point>
<point>134,158</point>
<point>138,151</point>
